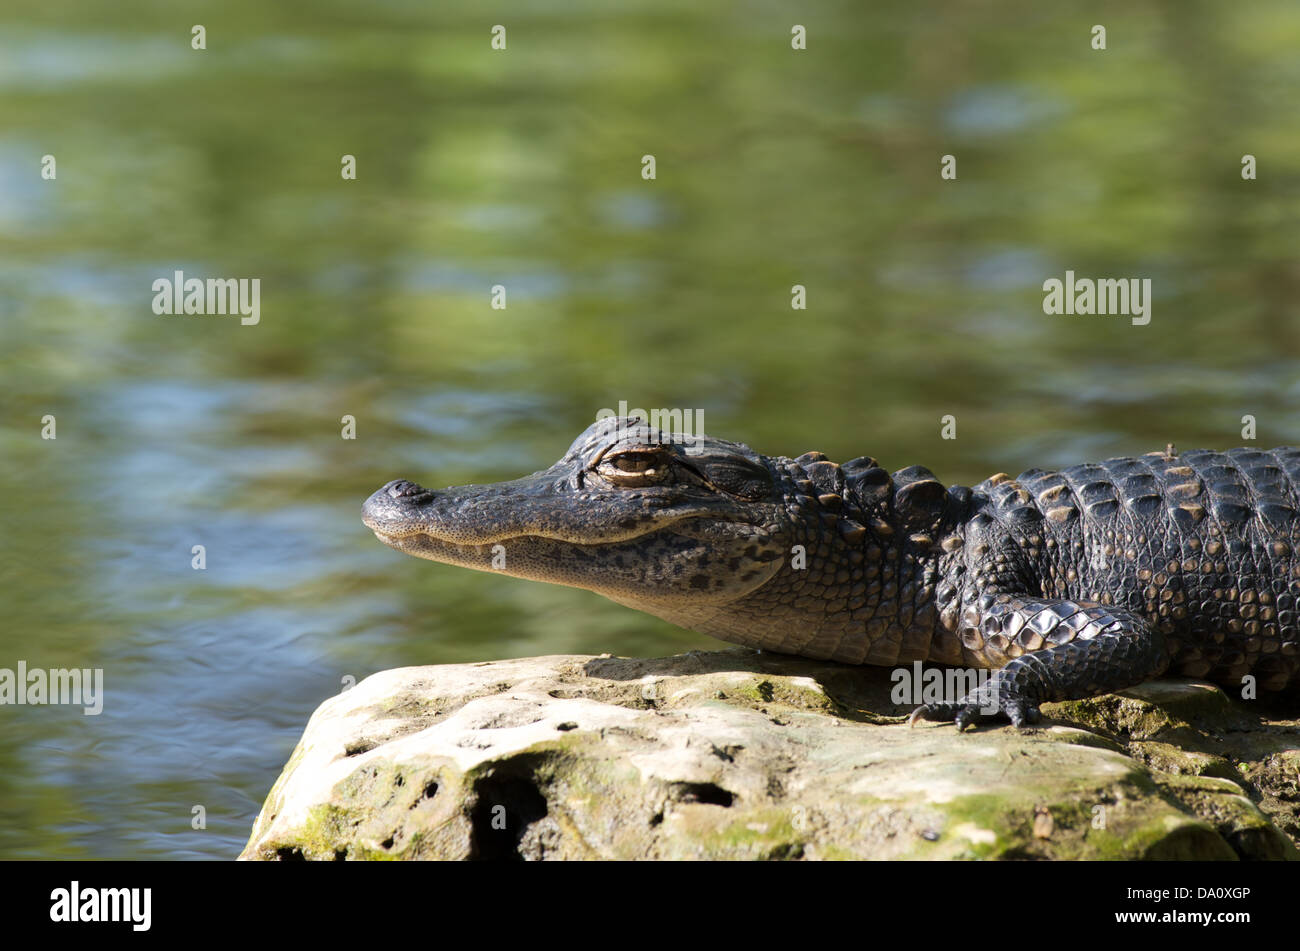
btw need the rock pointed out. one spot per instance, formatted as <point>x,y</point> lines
<point>741,755</point>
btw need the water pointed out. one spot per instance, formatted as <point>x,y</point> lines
<point>523,169</point>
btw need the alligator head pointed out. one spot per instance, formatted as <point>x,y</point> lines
<point>678,526</point>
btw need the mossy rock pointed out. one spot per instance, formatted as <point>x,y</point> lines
<point>748,756</point>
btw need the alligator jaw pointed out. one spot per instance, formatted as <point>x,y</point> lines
<point>403,513</point>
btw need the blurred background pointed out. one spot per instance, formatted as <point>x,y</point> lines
<point>522,168</point>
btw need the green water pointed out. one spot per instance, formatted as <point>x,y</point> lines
<point>523,168</point>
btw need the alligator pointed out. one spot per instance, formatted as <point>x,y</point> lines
<point>1063,584</point>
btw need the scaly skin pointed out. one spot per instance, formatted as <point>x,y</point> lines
<point>1071,584</point>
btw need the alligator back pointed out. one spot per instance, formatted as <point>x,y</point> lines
<point>1201,543</point>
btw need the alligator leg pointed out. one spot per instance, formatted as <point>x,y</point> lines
<point>1072,650</point>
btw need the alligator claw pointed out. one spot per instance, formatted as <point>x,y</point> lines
<point>974,709</point>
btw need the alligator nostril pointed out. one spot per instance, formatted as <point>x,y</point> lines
<point>401,489</point>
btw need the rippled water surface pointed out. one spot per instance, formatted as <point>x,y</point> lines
<point>522,168</point>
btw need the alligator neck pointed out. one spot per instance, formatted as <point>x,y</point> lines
<point>869,551</point>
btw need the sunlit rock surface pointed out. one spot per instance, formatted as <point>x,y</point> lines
<point>741,755</point>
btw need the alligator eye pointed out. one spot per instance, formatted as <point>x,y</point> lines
<point>629,463</point>
<point>634,468</point>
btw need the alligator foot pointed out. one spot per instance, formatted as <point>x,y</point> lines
<point>1075,649</point>
<point>978,707</point>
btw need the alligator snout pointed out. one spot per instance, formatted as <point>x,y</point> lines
<point>391,509</point>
